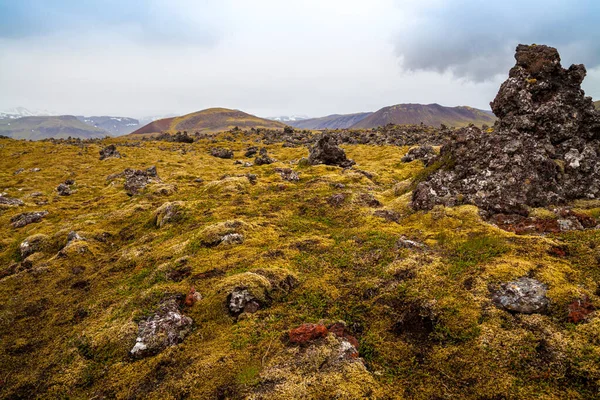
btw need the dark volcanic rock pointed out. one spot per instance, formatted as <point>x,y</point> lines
<point>543,149</point>
<point>64,190</point>
<point>263,158</point>
<point>109,151</point>
<point>326,151</point>
<point>221,152</point>
<point>136,180</point>
<point>424,153</point>
<point>9,201</point>
<point>20,220</point>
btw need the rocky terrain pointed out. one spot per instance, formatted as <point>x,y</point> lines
<point>397,262</point>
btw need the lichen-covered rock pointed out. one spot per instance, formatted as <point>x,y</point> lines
<point>542,150</point>
<point>109,151</point>
<point>23,219</point>
<point>240,300</point>
<point>136,180</point>
<point>9,202</point>
<point>64,190</point>
<point>32,244</point>
<point>168,213</point>
<point>424,153</point>
<point>288,174</point>
<point>167,327</point>
<point>263,158</point>
<point>326,151</point>
<point>232,238</point>
<point>221,152</point>
<point>251,151</point>
<point>525,295</point>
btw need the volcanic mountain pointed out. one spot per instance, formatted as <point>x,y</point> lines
<point>208,121</point>
<point>428,114</point>
<point>58,127</point>
<point>335,121</point>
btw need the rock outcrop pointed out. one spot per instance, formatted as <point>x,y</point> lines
<point>109,151</point>
<point>543,150</point>
<point>326,151</point>
<point>23,219</point>
<point>220,152</point>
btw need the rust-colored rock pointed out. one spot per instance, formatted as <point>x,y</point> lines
<point>579,310</point>
<point>307,332</point>
<point>339,330</point>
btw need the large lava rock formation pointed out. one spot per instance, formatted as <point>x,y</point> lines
<point>543,150</point>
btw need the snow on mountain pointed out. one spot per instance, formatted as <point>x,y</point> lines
<point>19,112</point>
<point>290,118</point>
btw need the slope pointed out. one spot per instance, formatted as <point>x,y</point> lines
<point>335,121</point>
<point>209,121</point>
<point>428,114</point>
<point>58,127</point>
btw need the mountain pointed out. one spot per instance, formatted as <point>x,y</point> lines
<point>19,112</point>
<point>335,121</point>
<point>59,127</point>
<point>208,121</point>
<point>429,114</point>
<point>116,126</point>
<point>289,119</point>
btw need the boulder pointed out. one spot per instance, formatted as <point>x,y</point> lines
<point>32,244</point>
<point>263,158</point>
<point>541,151</point>
<point>240,300</point>
<point>221,152</point>
<point>251,151</point>
<point>9,202</point>
<point>23,219</point>
<point>167,213</point>
<point>525,295</point>
<point>109,151</point>
<point>166,327</point>
<point>424,153</point>
<point>64,190</point>
<point>326,151</point>
<point>307,333</point>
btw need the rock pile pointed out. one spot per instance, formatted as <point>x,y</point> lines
<point>109,151</point>
<point>136,180</point>
<point>543,150</point>
<point>221,152</point>
<point>23,219</point>
<point>326,151</point>
<point>263,158</point>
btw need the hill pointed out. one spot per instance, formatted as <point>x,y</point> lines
<point>208,121</point>
<point>116,126</point>
<point>428,114</point>
<point>335,121</point>
<point>597,104</point>
<point>58,127</point>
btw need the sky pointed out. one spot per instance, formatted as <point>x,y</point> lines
<point>270,57</point>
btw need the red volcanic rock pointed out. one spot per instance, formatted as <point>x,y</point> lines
<point>579,310</point>
<point>307,332</point>
<point>339,330</point>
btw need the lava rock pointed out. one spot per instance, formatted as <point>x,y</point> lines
<point>240,300</point>
<point>221,152</point>
<point>167,327</point>
<point>23,219</point>
<point>326,151</point>
<point>251,151</point>
<point>9,201</point>
<point>109,151</point>
<point>525,295</point>
<point>288,174</point>
<point>541,151</point>
<point>424,153</point>
<point>136,180</point>
<point>64,190</point>
<point>232,238</point>
<point>306,333</point>
<point>263,158</point>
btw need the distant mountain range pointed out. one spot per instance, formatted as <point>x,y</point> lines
<point>115,126</point>
<point>208,121</point>
<point>401,114</point>
<point>59,127</point>
<point>290,118</point>
<point>19,112</point>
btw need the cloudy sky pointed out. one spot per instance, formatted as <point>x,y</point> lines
<point>271,57</point>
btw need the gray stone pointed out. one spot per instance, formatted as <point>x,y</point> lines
<point>23,219</point>
<point>240,300</point>
<point>525,295</point>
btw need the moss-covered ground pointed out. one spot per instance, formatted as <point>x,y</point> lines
<point>424,318</point>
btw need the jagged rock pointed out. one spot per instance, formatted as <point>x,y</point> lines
<point>221,152</point>
<point>424,153</point>
<point>541,151</point>
<point>32,244</point>
<point>167,327</point>
<point>307,332</point>
<point>73,237</point>
<point>109,151</point>
<point>136,180</point>
<point>167,213</point>
<point>9,201</point>
<point>233,238</point>
<point>23,219</point>
<point>263,158</point>
<point>288,174</point>
<point>525,295</point>
<point>240,300</point>
<point>326,151</point>
<point>64,190</point>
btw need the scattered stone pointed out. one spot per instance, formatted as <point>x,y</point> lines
<point>64,190</point>
<point>221,152</point>
<point>136,180</point>
<point>20,170</point>
<point>192,297</point>
<point>167,327</point>
<point>251,151</point>
<point>9,201</point>
<point>424,153</point>
<point>579,310</point>
<point>232,238</point>
<point>198,180</point>
<point>263,158</point>
<point>23,219</point>
<point>32,244</point>
<point>109,151</point>
<point>240,300</point>
<point>405,243</point>
<point>367,199</point>
<point>168,213</point>
<point>288,174</point>
<point>388,215</point>
<point>326,151</point>
<point>541,151</point>
<point>525,295</point>
<point>74,237</point>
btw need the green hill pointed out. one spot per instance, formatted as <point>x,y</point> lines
<point>58,127</point>
<point>208,121</point>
